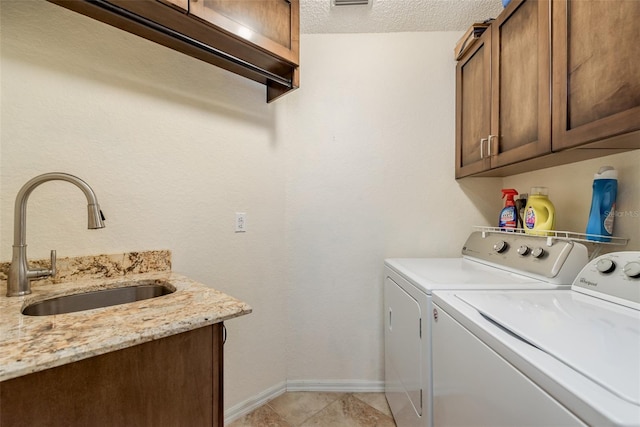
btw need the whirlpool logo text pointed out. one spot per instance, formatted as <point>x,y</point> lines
<point>588,283</point>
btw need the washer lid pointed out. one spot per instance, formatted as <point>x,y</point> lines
<point>599,339</point>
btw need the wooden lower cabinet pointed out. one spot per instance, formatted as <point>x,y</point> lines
<point>173,381</point>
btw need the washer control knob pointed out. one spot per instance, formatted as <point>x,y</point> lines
<point>501,246</point>
<point>605,266</point>
<point>632,269</point>
<point>537,252</point>
<point>523,250</point>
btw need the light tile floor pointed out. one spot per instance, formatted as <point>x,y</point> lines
<point>304,409</point>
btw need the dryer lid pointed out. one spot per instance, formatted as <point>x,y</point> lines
<point>599,339</point>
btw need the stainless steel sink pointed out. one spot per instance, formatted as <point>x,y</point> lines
<point>136,291</point>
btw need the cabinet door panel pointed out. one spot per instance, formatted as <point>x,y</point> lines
<point>275,12</point>
<point>591,56</point>
<point>270,24</point>
<point>519,76</point>
<point>473,108</point>
<point>521,112</point>
<point>596,61</point>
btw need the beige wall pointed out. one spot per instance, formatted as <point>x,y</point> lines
<point>369,175</point>
<point>355,166</point>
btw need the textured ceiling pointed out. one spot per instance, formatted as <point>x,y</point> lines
<point>386,16</point>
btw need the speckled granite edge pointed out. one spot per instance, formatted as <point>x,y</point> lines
<point>72,269</point>
<point>33,343</point>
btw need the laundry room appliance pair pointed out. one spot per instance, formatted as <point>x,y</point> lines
<point>490,261</point>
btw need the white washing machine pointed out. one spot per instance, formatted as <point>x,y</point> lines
<point>490,260</point>
<point>561,358</point>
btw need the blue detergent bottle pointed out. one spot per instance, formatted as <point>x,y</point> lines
<point>603,205</point>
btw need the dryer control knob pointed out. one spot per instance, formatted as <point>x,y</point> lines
<point>523,250</point>
<point>632,269</point>
<point>605,266</point>
<point>537,253</point>
<point>501,246</point>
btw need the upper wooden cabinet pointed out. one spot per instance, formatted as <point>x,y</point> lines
<point>255,39</point>
<point>270,24</point>
<point>569,85</point>
<point>596,71</point>
<point>473,108</point>
<point>503,94</point>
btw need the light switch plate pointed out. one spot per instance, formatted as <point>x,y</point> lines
<point>241,222</point>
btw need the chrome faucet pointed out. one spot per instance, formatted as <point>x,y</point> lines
<point>20,275</point>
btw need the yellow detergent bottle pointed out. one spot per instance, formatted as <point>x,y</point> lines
<point>539,215</point>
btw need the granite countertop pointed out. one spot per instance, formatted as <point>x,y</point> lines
<point>34,343</point>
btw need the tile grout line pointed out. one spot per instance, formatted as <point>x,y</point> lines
<point>320,410</point>
<point>342,395</point>
<point>282,417</point>
<point>283,421</point>
<point>375,409</point>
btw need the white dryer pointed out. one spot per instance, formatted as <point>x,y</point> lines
<point>489,260</point>
<point>526,357</point>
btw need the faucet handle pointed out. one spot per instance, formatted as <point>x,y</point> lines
<point>53,263</point>
<point>41,273</point>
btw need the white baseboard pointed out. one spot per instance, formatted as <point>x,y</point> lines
<point>243,408</point>
<point>343,386</point>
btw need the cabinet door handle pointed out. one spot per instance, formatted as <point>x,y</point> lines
<point>482,141</point>
<point>489,145</point>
